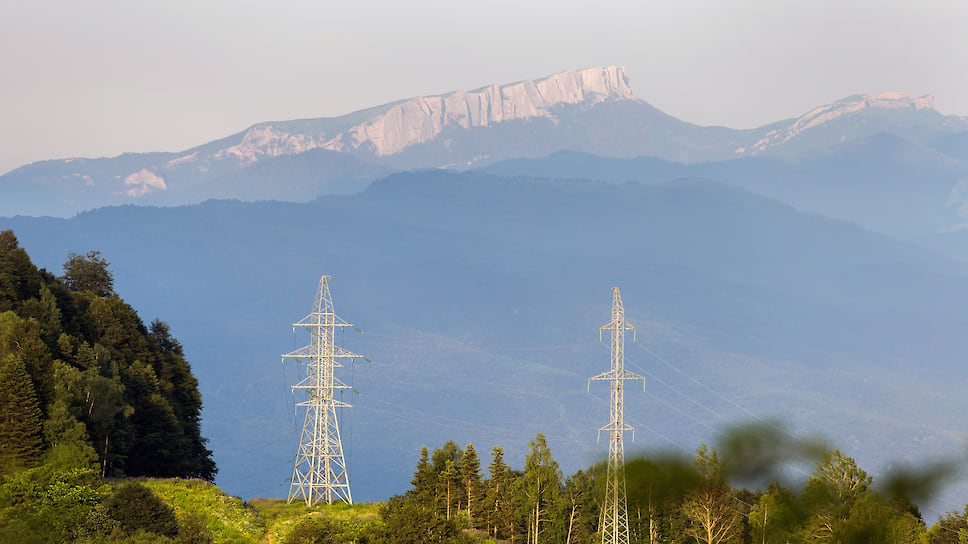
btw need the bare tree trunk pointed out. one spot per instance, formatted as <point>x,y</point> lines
<point>766,513</point>
<point>653,525</point>
<point>104,462</point>
<point>571,522</point>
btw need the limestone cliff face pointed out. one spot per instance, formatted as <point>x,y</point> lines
<point>422,119</point>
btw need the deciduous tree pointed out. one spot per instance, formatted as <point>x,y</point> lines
<point>89,272</point>
<point>541,486</point>
<point>711,513</point>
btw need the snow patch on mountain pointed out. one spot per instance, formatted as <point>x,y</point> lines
<point>266,141</point>
<point>143,182</point>
<point>181,160</point>
<point>88,180</point>
<point>825,114</point>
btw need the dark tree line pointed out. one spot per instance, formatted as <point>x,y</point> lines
<point>83,382</point>
<point>670,500</point>
<point>453,497</point>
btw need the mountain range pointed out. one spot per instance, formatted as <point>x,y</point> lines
<point>479,299</point>
<point>591,111</point>
<point>809,271</point>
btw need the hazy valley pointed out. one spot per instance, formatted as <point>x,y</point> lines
<point>809,271</point>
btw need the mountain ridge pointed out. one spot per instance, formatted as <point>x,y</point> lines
<point>590,110</point>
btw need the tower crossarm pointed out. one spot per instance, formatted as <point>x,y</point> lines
<point>617,374</point>
<point>311,382</point>
<point>308,352</point>
<point>325,318</point>
<point>333,403</point>
<point>620,426</point>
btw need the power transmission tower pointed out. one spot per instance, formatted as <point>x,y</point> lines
<point>320,471</point>
<point>614,519</point>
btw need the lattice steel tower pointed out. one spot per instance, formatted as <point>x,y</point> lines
<point>320,471</point>
<point>614,521</point>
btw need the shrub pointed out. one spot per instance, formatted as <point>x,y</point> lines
<point>314,530</point>
<point>136,508</point>
<point>192,530</point>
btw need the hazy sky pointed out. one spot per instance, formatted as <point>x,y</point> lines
<point>97,78</point>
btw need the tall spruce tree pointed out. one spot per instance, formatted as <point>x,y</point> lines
<point>470,469</point>
<point>21,438</point>
<point>497,496</point>
<point>446,465</point>
<point>424,480</point>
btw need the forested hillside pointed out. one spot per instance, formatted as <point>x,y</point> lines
<point>83,382</point>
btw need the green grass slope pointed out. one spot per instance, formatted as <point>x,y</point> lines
<point>269,521</point>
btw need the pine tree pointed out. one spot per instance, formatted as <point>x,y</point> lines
<point>497,495</point>
<point>446,467</point>
<point>21,427</point>
<point>423,480</point>
<point>470,469</point>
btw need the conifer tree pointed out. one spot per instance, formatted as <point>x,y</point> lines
<point>470,469</point>
<point>446,466</point>
<point>449,475</point>
<point>497,496</point>
<point>423,480</point>
<point>21,427</point>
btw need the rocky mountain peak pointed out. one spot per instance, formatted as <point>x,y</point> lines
<point>839,109</point>
<point>421,119</point>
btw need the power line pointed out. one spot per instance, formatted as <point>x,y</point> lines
<point>704,386</point>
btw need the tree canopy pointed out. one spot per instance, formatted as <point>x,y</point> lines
<point>89,273</point>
